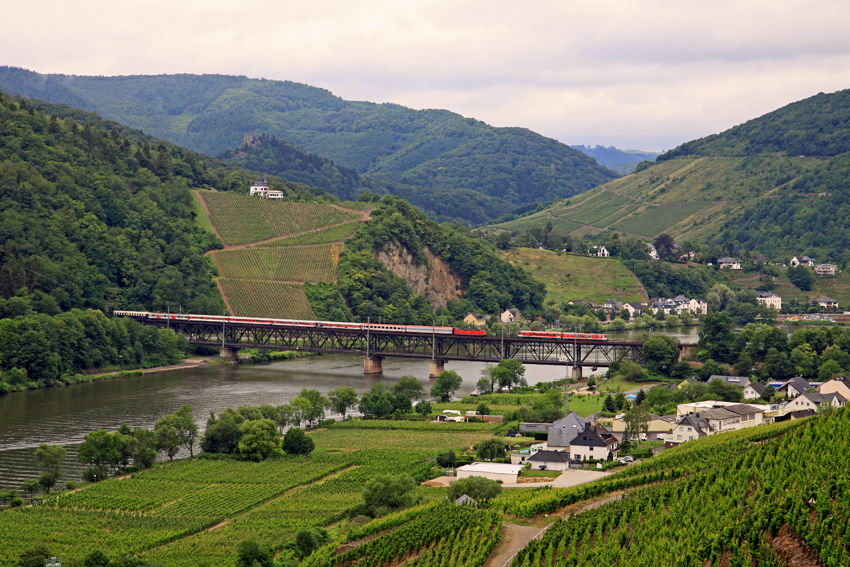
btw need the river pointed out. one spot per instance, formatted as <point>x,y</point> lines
<point>63,416</point>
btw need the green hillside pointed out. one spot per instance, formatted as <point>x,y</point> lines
<point>569,276</point>
<point>747,189</point>
<point>437,150</point>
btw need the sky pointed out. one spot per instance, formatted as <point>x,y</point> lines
<point>632,74</point>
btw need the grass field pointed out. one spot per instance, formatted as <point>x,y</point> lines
<point>263,298</point>
<point>190,513</point>
<point>587,278</point>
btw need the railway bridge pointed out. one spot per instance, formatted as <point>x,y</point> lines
<point>374,345</point>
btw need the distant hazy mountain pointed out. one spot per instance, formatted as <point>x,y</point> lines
<point>436,154</point>
<point>621,161</point>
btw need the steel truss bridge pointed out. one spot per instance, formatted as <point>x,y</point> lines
<point>375,345</point>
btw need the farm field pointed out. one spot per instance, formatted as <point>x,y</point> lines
<point>166,513</point>
<point>273,247</point>
<point>587,278</point>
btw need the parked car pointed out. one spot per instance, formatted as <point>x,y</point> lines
<point>627,459</point>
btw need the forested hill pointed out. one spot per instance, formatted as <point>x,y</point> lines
<point>436,150</point>
<point>621,161</point>
<point>816,126</point>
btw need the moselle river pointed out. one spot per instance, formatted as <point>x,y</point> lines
<point>63,416</point>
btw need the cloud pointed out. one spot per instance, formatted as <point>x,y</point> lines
<point>645,74</point>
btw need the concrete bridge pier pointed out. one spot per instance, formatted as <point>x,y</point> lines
<point>577,372</point>
<point>373,365</point>
<point>437,367</point>
<point>686,352</point>
<point>229,353</point>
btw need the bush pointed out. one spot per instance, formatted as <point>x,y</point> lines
<point>16,502</point>
<point>296,442</point>
<point>476,487</point>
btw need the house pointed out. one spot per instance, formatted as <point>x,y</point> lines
<point>563,431</point>
<point>475,319</point>
<point>794,387</point>
<point>732,417</point>
<point>729,263</point>
<point>799,414</point>
<point>653,253</point>
<point>635,309</point>
<point>802,260</point>
<point>686,381</point>
<point>549,461</point>
<point>260,187</point>
<point>510,315</point>
<point>466,500</point>
<point>274,194</point>
<point>665,305</point>
<point>754,390</point>
<point>655,427</point>
<point>687,428</point>
<point>826,302</point>
<point>699,307</point>
<point>740,381</point>
<point>770,299</point>
<point>494,471</point>
<point>825,269</point>
<point>600,251</point>
<point>812,400</point>
<point>839,385</point>
<point>589,444</point>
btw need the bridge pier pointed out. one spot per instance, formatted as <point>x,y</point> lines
<point>577,372</point>
<point>229,353</point>
<point>686,352</point>
<point>373,365</point>
<point>436,367</point>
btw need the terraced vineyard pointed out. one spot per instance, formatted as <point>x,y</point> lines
<point>316,263</point>
<point>242,219</point>
<point>259,298</point>
<point>194,512</point>
<point>288,244</point>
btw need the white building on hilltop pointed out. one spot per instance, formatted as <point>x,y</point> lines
<point>261,188</point>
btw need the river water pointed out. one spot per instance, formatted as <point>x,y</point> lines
<point>63,416</point>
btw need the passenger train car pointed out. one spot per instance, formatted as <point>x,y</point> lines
<point>563,336</point>
<point>219,319</point>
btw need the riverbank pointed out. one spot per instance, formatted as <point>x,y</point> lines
<point>250,356</point>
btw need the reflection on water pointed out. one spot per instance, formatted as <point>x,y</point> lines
<point>64,416</point>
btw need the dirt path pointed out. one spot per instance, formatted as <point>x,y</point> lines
<point>514,538</point>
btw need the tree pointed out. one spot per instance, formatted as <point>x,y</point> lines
<point>49,458</point>
<point>482,409</point>
<point>101,449</point>
<point>341,398</point>
<point>187,428</point>
<point>309,540</point>
<point>299,409</point>
<point>447,460</point>
<point>251,554</point>
<point>410,387</point>
<point>802,277</point>
<point>660,352</point>
<point>423,408</point>
<point>31,486</point>
<point>385,493</point>
<point>258,439</point>
<point>316,410</point>
<point>490,449</point>
<point>447,384</point>
<point>488,379</point>
<point>509,373</point>
<point>35,557</point>
<point>636,422</point>
<point>296,442</point>
<point>608,404</point>
<point>377,402</point>
<point>167,436</point>
<point>476,487</point>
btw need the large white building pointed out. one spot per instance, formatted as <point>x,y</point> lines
<point>494,471</point>
<point>260,187</point>
<point>770,299</point>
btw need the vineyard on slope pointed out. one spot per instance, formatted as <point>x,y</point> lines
<point>242,219</point>
<point>264,298</point>
<point>773,500</point>
<point>312,263</point>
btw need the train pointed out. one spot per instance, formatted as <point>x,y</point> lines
<point>411,329</point>
<point>563,336</point>
<point>219,319</point>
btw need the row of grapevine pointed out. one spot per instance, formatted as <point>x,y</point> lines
<point>337,233</point>
<point>316,263</point>
<point>263,298</point>
<point>443,534</point>
<point>242,219</point>
<point>793,487</point>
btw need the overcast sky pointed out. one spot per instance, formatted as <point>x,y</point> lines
<point>640,75</point>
